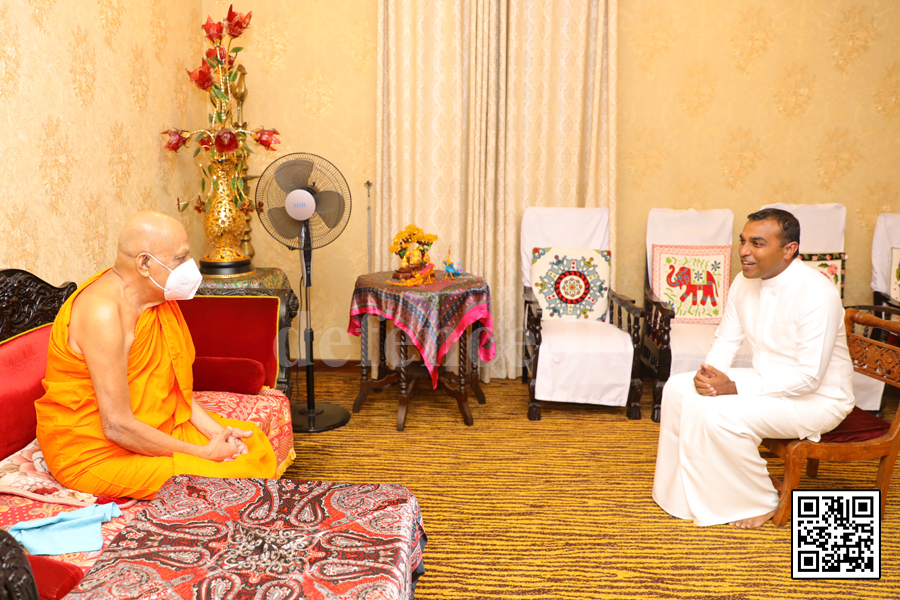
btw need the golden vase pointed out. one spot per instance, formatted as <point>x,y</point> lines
<point>224,223</point>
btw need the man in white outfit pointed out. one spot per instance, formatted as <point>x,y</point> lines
<point>708,467</point>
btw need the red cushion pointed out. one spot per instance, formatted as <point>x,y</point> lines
<point>54,578</point>
<point>858,426</point>
<point>236,326</point>
<point>23,364</point>
<point>228,374</point>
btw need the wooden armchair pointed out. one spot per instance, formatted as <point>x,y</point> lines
<point>582,361</point>
<point>861,436</point>
<point>623,314</point>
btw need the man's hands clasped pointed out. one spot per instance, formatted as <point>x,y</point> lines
<point>709,381</point>
<point>227,445</point>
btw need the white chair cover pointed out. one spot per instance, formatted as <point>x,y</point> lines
<point>581,361</point>
<point>691,227</point>
<point>821,225</point>
<point>886,236</point>
<point>543,227</point>
<point>690,342</point>
<point>588,362</point>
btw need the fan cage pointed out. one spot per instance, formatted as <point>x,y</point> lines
<point>324,176</point>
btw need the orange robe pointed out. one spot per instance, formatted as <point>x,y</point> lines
<point>160,383</point>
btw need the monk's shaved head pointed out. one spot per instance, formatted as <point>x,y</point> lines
<point>153,232</point>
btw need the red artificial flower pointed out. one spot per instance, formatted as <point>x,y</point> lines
<point>266,137</point>
<point>176,139</point>
<point>226,140</point>
<point>205,141</point>
<point>222,54</point>
<point>201,77</point>
<point>236,23</point>
<point>213,30</point>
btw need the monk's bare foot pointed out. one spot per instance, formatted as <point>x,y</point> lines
<point>754,522</point>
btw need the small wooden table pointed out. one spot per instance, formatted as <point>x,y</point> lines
<point>432,318</point>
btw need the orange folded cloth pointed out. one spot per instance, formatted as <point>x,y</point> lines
<point>160,383</point>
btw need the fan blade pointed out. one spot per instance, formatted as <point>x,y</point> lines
<point>293,175</point>
<point>283,223</point>
<point>329,206</point>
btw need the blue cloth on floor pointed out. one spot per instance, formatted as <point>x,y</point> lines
<point>75,531</point>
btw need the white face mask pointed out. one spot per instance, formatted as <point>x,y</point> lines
<point>183,282</point>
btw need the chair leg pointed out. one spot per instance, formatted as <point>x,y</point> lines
<point>793,462</point>
<point>633,405</point>
<point>812,468</point>
<point>534,405</point>
<point>883,479</point>
<point>657,400</point>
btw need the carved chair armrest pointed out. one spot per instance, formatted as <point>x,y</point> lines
<point>626,315</point>
<point>658,318</point>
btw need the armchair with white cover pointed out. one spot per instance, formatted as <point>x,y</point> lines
<point>571,354</point>
<point>885,238</point>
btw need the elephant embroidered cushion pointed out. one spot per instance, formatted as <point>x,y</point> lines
<point>692,280</point>
<point>570,283</point>
<point>829,264</point>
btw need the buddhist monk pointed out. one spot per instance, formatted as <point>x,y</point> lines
<point>118,417</point>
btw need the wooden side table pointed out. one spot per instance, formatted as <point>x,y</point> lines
<point>431,318</point>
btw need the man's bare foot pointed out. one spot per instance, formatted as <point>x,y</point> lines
<point>753,522</point>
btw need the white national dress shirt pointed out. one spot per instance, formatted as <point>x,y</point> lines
<point>794,323</point>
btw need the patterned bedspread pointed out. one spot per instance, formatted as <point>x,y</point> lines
<point>264,538</point>
<point>433,316</point>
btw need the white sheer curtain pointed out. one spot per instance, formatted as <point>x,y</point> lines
<point>487,107</point>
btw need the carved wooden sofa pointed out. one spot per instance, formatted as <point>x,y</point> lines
<point>236,373</point>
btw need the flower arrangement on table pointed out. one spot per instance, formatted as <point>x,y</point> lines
<point>413,245</point>
<point>222,152</point>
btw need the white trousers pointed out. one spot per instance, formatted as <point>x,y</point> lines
<point>708,467</point>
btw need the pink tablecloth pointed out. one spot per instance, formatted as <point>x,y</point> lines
<point>434,316</point>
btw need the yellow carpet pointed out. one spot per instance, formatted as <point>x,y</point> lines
<point>561,508</point>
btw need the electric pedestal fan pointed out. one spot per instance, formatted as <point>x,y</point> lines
<point>304,203</point>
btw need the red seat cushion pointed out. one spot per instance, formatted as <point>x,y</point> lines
<point>54,578</point>
<point>23,365</point>
<point>228,374</point>
<point>858,426</point>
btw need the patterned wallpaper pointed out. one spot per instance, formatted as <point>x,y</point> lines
<point>86,86</point>
<point>311,75</point>
<point>726,104</point>
<point>743,103</point>
<point>85,89</point>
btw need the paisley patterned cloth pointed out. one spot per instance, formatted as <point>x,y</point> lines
<point>264,538</point>
<point>433,316</point>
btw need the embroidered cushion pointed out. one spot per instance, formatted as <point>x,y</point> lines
<point>570,283</point>
<point>830,264</point>
<point>692,280</point>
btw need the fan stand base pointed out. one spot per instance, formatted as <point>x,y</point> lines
<point>226,269</point>
<point>327,416</point>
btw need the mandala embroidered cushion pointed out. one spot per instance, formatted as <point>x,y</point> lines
<point>570,283</point>
<point>830,264</point>
<point>692,280</point>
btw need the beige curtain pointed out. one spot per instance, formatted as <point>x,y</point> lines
<point>487,107</point>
